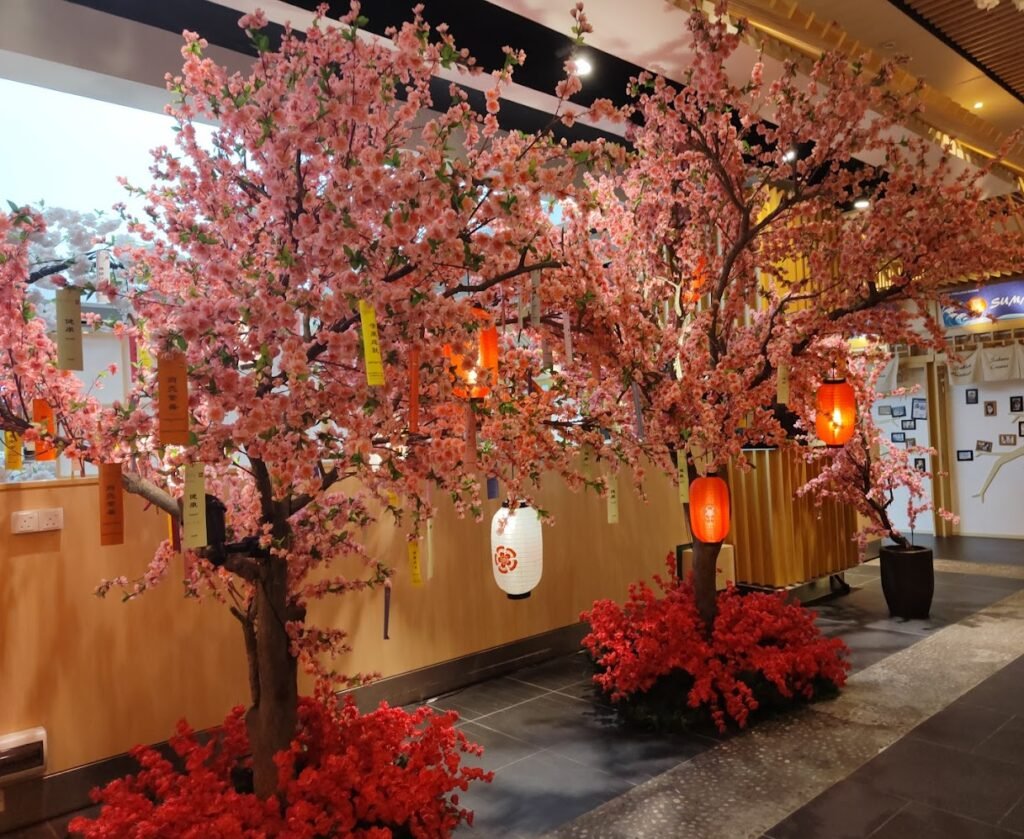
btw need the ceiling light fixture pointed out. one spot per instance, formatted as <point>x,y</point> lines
<point>789,156</point>
<point>583,67</point>
<point>861,204</point>
<point>978,106</point>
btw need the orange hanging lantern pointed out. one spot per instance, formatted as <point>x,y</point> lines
<point>486,360</point>
<point>709,509</point>
<point>836,412</point>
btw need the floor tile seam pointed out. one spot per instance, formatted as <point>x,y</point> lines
<point>1002,818</point>
<point>877,830</point>
<point>509,736</point>
<point>513,705</point>
<point>541,687</point>
<point>955,814</point>
<point>893,732</point>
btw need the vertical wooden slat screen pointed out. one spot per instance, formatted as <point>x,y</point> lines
<point>781,540</point>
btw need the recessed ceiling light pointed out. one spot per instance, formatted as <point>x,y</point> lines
<point>789,156</point>
<point>861,204</point>
<point>583,67</point>
<point>978,106</point>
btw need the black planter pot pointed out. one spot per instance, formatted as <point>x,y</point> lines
<point>908,580</point>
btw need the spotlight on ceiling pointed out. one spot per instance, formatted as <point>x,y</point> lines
<point>789,156</point>
<point>583,67</point>
<point>979,105</point>
<point>861,204</point>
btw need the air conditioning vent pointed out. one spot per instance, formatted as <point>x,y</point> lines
<point>22,755</point>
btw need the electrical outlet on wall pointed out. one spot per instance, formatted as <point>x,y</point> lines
<point>51,519</point>
<point>25,521</point>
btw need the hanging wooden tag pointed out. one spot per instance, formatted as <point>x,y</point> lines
<point>415,571</point>
<point>782,385</point>
<point>172,399</point>
<point>42,414</point>
<point>430,549</point>
<point>111,504</point>
<point>387,609</point>
<point>174,533</point>
<point>193,516</point>
<point>535,299</point>
<point>683,475</point>
<point>69,329</point>
<point>393,500</point>
<point>613,499</point>
<point>14,457</point>
<point>371,345</point>
<point>470,435</point>
<point>567,337</point>
<point>414,390</point>
<point>492,488</point>
<point>103,266</point>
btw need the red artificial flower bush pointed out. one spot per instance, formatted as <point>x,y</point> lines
<point>385,774</point>
<point>658,664</point>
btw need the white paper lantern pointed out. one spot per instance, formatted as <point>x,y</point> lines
<point>517,551</point>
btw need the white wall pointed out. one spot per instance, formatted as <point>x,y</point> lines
<point>1001,511</point>
<point>911,378</point>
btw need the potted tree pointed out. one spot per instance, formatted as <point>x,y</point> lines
<point>867,473</point>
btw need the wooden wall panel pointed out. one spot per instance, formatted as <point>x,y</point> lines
<point>782,540</point>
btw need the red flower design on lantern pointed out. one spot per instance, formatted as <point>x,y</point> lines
<point>505,559</point>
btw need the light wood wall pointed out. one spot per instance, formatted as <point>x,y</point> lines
<point>780,539</point>
<point>102,676</point>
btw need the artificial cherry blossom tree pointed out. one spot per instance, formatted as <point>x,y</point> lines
<point>329,194</point>
<point>736,243</point>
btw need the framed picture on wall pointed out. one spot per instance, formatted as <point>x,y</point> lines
<point>1020,428</point>
<point>1017,404</point>
<point>919,408</point>
<point>911,441</point>
<point>920,465</point>
<point>984,446</point>
<point>908,425</point>
<point>971,396</point>
<point>991,408</point>
<point>964,454</point>
<point>1007,439</point>
<point>899,437</point>
<point>885,410</point>
<point>899,410</point>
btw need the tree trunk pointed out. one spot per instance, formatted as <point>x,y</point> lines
<point>705,564</point>
<point>273,717</point>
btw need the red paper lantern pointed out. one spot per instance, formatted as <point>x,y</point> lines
<point>709,509</point>
<point>486,360</point>
<point>836,412</point>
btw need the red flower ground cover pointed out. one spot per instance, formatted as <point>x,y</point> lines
<point>380,775</point>
<point>658,664</point>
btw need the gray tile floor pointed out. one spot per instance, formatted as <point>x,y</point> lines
<point>558,753</point>
<point>957,775</point>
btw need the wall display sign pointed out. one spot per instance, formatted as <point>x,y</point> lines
<point>42,415</point>
<point>908,425</point>
<point>898,437</point>
<point>971,396</point>
<point>782,385</point>
<point>919,408</point>
<point>1007,439</point>
<point>14,451</point>
<point>964,454</point>
<point>962,372</point>
<point>69,329</point>
<point>172,396</point>
<point>885,410</point>
<point>998,364</point>
<point>899,410</point>
<point>991,408</point>
<point>984,446</point>
<point>997,301</point>
<point>920,465</point>
<point>1017,404</point>
<point>683,474</point>
<point>111,504</point>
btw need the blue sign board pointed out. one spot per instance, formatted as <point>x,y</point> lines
<point>984,304</point>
